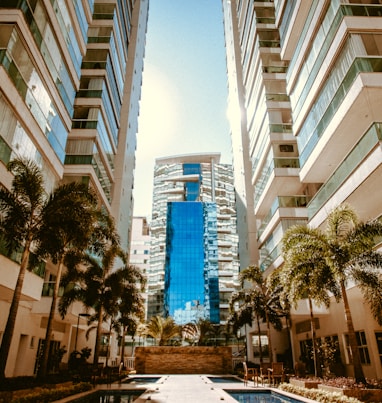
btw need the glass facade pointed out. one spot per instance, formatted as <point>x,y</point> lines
<point>194,243</point>
<point>191,268</point>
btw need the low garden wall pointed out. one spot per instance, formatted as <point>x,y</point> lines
<point>183,360</point>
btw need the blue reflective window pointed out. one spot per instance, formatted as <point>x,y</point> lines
<point>191,280</point>
<point>192,188</point>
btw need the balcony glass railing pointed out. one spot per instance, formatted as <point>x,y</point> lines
<point>275,69</point>
<point>85,93</point>
<point>369,141</point>
<point>265,20</point>
<point>280,128</point>
<point>277,97</point>
<point>103,16</point>
<point>282,202</point>
<point>313,129</point>
<point>35,266</point>
<point>322,42</point>
<point>268,169</point>
<point>48,289</point>
<point>99,39</point>
<point>5,151</point>
<point>84,124</point>
<point>269,43</point>
<point>93,65</point>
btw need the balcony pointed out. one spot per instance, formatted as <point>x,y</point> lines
<point>283,206</point>
<point>351,112</point>
<point>280,175</point>
<point>303,309</point>
<point>9,271</point>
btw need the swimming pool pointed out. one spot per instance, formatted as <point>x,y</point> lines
<point>111,396</point>
<point>224,379</point>
<point>141,379</point>
<point>262,396</point>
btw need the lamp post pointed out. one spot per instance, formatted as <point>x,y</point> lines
<point>78,323</point>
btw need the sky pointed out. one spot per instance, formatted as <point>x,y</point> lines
<point>183,106</point>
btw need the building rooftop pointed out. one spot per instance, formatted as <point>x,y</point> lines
<point>189,158</point>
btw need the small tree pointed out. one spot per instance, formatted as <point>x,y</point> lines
<point>68,222</point>
<point>163,330</point>
<point>346,250</point>
<point>25,212</point>
<point>305,274</point>
<point>97,283</point>
<point>259,301</point>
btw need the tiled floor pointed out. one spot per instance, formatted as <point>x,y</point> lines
<point>188,389</point>
<point>182,388</point>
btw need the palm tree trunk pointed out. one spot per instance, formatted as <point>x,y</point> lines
<point>98,337</point>
<point>49,327</point>
<point>11,321</point>
<point>260,344</point>
<point>358,370</point>
<point>123,346</point>
<point>269,338</point>
<point>317,369</point>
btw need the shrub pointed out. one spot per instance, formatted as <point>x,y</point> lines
<point>28,382</point>
<point>318,395</point>
<point>51,395</point>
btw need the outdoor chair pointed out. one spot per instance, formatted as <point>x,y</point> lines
<point>249,374</point>
<point>262,374</point>
<point>276,373</point>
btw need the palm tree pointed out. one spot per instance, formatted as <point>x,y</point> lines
<point>162,329</point>
<point>24,210</point>
<point>130,304</point>
<point>19,222</point>
<point>347,250</point>
<point>68,221</point>
<point>102,288</point>
<point>260,301</point>
<point>303,278</point>
<point>94,281</point>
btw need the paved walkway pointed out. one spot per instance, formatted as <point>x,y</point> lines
<point>188,389</point>
<point>181,389</point>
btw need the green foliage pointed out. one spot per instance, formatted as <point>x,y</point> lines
<point>164,330</point>
<point>45,395</point>
<point>318,395</point>
<point>317,262</point>
<point>112,294</point>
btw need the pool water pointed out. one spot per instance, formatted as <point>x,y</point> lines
<point>244,396</point>
<point>224,379</point>
<point>141,379</point>
<point>111,396</point>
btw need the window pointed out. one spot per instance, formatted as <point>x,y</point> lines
<point>286,148</point>
<point>362,348</point>
<point>260,342</point>
<point>378,336</point>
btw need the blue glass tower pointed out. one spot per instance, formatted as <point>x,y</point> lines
<point>191,268</point>
<point>194,263</point>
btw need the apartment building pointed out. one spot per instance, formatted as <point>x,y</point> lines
<point>194,241</point>
<point>70,79</point>
<point>306,76</point>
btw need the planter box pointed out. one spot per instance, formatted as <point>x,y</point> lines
<point>304,383</point>
<point>365,395</point>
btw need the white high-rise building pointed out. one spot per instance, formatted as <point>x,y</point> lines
<point>70,80</point>
<point>305,86</point>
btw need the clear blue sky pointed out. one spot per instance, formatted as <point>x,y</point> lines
<point>184,91</point>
